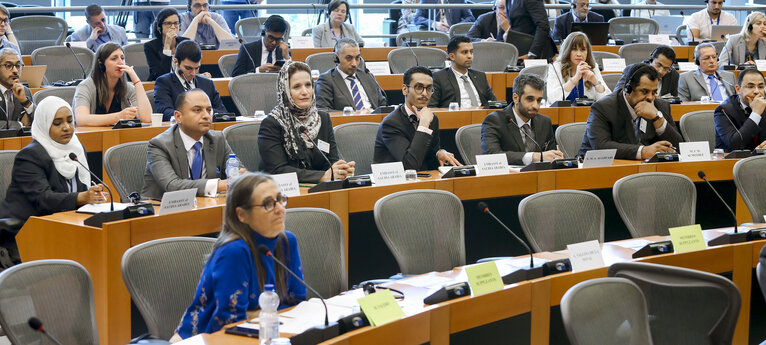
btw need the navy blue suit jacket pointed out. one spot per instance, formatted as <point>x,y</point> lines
<point>167,87</point>
<point>563,26</point>
<point>727,137</point>
<point>463,15</point>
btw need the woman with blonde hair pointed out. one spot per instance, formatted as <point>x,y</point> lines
<point>748,45</point>
<point>575,73</point>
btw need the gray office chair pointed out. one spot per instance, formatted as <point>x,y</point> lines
<point>249,29</point>
<point>685,306</point>
<point>553,219</point>
<point>606,311</point>
<point>247,102</point>
<point>468,140</point>
<point>243,140</point>
<point>636,52</point>
<point>150,96</point>
<point>58,292</point>
<point>356,142</point>
<point>33,32</point>
<point>62,66</point>
<point>540,71</point>
<point>632,29</point>
<point>699,126</point>
<point>718,47</point>
<point>226,64</point>
<point>431,239</point>
<point>321,61</point>
<point>494,56</point>
<point>751,184</point>
<point>569,138</point>
<point>650,203</point>
<point>7,158</point>
<point>599,56</point>
<point>162,277</point>
<point>321,245</point>
<point>64,92</point>
<point>611,79</point>
<point>415,37</point>
<point>307,32</point>
<point>125,164</point>
<point>400,59</point>
<point>459,29</point>
<point>135,56</point>
<point>681,34</point>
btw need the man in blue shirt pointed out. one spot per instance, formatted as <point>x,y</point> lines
<point>203,26</point>
<point>98,32</point>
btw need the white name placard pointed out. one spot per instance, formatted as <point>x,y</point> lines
<point>229,45</point>
<point>613,65</point>
<point>378,67</point>
<point>694,151</point>
<point>496,164</point>
<point>388,173</point>
<point>760,65</point>
<point>585,255</point>
<point>287,183</point>
<point>178,201</point>
<point>599,158</point>
<point>535,62</point>
<point>660,39</point>
<point>687,66</point>
<point>302,42</point>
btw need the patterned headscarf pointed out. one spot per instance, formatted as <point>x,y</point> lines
<point>291,117</point>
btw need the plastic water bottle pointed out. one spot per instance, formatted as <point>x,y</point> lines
<point>268,319</point>
<point>232,168</point>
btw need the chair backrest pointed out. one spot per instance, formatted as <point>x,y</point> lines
<point>605,311</point>
<point>650,203</point>
<point>249,29</point>
<point>241,90</point>
<point>699,126</point>
<point>321,245</point>
<point>760,273</point>
<point>150,96</point>
<point>569,138</point>
<point>135,56</point>
<point>633,29</point>
<point>414,38</point>
<point>459,29</point>
<point>468,140</point>
<point>307,32</point>
<point>681,34</point>
<point>7,158</point>
<point>718,46</point>
<point>243,140</point>
<point>58,292</point>
<point>64,92</point>
<point>522,41</point>
<point>125,164</point>
<point>540,71</point>
<point>400,59</point>
<point>34,32</point>
<point>553,219</point>
<point>321,61</point>
<point>62,66</point>
<point>636,52</point>
<point>356,142</point>
<point>493,56</point>
<point>611,79</point>
<point>685,306</point>
<point>432,239</point>
<point>599,56</point>
<point>226,64</point>
<point>751,184</point>
<point>162,277</point>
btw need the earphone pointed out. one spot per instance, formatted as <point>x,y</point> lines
<point>628,87</point>
<point>188,5</point>
<point>101,66</point>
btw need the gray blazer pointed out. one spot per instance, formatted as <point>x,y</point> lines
<point>323,38</point>
<point>333,94</point>
<point>167,168</point>
<point>692,84</point>
<point>736,46</point>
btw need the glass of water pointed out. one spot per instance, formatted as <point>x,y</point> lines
<point>259,115</point>
<point>705,99</point>
<point>454,106</point>
<point>411,175</point>
<point>718,154</point>
<point>314,73</point>
<point>348,111</point>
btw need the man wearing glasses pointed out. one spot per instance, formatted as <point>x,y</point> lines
<point>580,13</point>
<point>16,103</point>
<point>203,26</point>
<point>662,59</point>
<point>410,134</point>
<point>262,55</point>
<point>98,32</point>
<point>7,39</point>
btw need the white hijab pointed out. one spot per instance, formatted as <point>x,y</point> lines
<point>45,111</point>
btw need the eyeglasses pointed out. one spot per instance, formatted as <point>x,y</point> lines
<point>9,66</point>
<point>269,204</point>
<point>171,24</point>
<point>420,87</point>
<point>582,5</point>
<point>4,20</point>
<point>198,6</point>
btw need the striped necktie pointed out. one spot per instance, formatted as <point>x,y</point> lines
<point>358,104</point>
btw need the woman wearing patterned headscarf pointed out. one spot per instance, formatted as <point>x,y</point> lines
<point>294,133</point>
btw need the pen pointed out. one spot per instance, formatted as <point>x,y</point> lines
<point>100,192</point>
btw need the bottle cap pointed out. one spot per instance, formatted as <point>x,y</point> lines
<point>268,287</point>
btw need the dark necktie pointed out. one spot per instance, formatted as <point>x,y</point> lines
<point>414,121</point>
<point>637,128</point>
<point>269,57</point>
<point>530,144</point>
<point>187,86</point>
<point>9,104</point>
<point>196,167</point>
<point>358,104</point>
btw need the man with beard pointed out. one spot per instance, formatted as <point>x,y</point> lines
<point>261,55</point>
<point>16,103</point>
<point>410,134</point>
<point>700,24</point>
<point>460,83</point>
<point>518,130</point>
<point>744,129</point>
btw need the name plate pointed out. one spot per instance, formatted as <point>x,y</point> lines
<point>378,67</point>
<point>694,151</point>
<point>381,308</point>
<point>598,158</point>
<point>613,65</point>
<point>302,42</point>
<point>687,66</point>
<point>388,173</point>
<point>496,164</point>
<point>585,255</point>
<point>178,201</point>
<point>760,65</point>
<point>535,62</point>
<point>484,278</point>
<point>229,44</point>
<point>287,183</point>
<point>687,238</point>
<point>81,44</point>
<point>660,39</point>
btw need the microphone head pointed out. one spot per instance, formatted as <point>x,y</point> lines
<point>482,207</point>
<point>241,41</point>
<point>302,129</point>
<point>264,250</point>
<point>701,174</point>
<point>35,323</point>
<point>73,156</point>
<point>68,45</point>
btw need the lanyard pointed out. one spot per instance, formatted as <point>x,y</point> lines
<point>333,31</point>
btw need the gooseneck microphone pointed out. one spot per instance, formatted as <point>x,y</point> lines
<point>73,157</point>
<point>242,42</point>
<point>741,138</point>
<point>84,74</point>
<point>409,45</point>
<point>37,325</point>
<point>536,144</point>
<point>483,208</point>
<point>304,130</point>
<point>702,175</point>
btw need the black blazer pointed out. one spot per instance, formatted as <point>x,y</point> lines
<point>530,17</point>
<point>762,280</point>
<point>398,141</point>
<point>500,134</point>
<point>159,63</point>
<point>669,83</point>
<point>455,16</point>
<point>446,89</point>
<point>168,87</point>
<point>243,65</point>
<point>610,129</point>
<point>311,167</point>
<point>18,110</point>
<point>726,135</point>
<point>37,188</point>
<point>483,26</point>
<point>333,94</point>
<point>563,26</point>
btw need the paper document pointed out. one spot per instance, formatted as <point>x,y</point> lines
<point>105,207</point>
<point>427,281</point>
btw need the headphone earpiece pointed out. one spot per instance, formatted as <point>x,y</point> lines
<point>336,59</point>
<point>102,67</point>
<point>628,87</point>
<point>750,27</point>
<point>573,5</point>
<point>263,32</point>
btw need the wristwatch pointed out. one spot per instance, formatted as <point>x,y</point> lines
<point>659,116</point>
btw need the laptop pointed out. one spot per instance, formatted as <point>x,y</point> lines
<point>668,24</point>
<point>720,31</point>
<point>33,75</point>
<point>598,33</point>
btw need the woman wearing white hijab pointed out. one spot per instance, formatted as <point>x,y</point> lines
<point>44,179</point>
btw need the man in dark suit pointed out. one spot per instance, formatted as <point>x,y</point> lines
<point>530,17</point>
<point>184,77</point>
<point>443,18</point>
<point>460,83</point>
<point>263,53</point>
<point>662,59</point>
<point>632,120</point>
<point>410,134</point>
<point>16,102</point>
<point>518,130</point>
<point>347,86</point>
<point>487,26</point>
<point>580,14</point>
<point>188,154</point>
<point>738,120</point>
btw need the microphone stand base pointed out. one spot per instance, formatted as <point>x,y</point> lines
<point>729,239</point>
<point>523,274</point>
<point>316,335</point>
<point>756,234</point>
<point>132,211</point>
<point>326,185</point>
<point>654,248</point>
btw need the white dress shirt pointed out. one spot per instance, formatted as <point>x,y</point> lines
<point>520,123</point>
<point>365,99</point>
<point>634,116</point>
<point>183,81</point>
<point>755,117</point>
<point>465,99</point>
<point>701,21</point>
<point>555,82</point>
<point>211,186</point>
<point>721,89</point>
